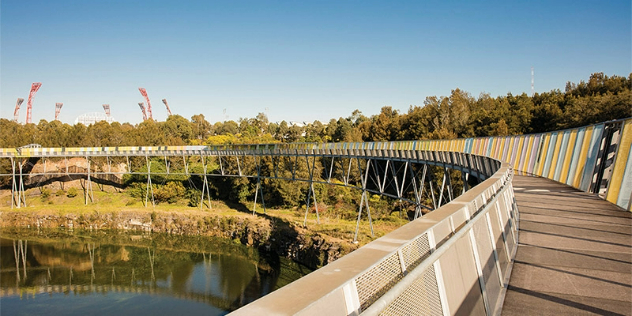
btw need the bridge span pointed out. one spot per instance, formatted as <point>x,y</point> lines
<point>574,255</point>
<point>457,259</point>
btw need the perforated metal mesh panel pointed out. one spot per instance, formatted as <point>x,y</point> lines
<point>416,251</point>
<point>421,298</point>
<point>487,261</point>
<point>377,281</point>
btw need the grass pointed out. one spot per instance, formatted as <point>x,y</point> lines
<point>112,201</point>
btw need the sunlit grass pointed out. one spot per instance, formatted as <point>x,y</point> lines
<point>114,201</point>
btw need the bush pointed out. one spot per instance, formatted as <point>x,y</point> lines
<point>46,192</point>
<point>170,193</point>
<point>60,192</point>
<point>136,190</point>
<point>194,197</point>
<point>72,192</point>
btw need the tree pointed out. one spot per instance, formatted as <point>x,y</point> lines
<point>385,125</point>
<point>177,130</point>
<point>547,115</point>
<point>200,127</point>
<point>228,127</point>
<point>149,133</point>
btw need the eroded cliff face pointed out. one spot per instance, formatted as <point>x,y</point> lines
<point>268,234</point>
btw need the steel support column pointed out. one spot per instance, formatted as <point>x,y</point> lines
<point>205,186</point>
<point>310,191</point>
<point>88,194</point>
<point>258,189</point>
<point>363,200</point>
<point>149,185</point>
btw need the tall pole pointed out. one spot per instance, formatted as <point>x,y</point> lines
<point>106,108</point>
<point>29,104</point>
<point>142,107</point>
<point>144,93</point>
<point>58,106</point>
<point>167,105</point>
<point>17,109</point>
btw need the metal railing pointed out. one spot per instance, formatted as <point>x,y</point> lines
<point>595,158</point>
<point>455,258</point>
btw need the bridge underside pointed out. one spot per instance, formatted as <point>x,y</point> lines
<point>574,253</point>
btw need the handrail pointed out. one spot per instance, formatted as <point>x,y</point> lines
<point>404,284</point>
<point>355,283</point>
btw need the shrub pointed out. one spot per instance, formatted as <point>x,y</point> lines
<point>194,197</point>
<point>46,192</point>
<point>136,190</point>
<point>170,192</point>
<point>72,192</point>
<point>60,192</point>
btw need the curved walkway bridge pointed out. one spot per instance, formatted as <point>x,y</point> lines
<point>567,251</point>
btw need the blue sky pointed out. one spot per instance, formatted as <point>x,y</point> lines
<point>296,60</point>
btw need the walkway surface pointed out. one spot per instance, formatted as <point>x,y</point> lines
<point>574,256</point>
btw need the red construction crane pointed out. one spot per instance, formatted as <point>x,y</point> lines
<point>57,110</point>
<point>167,105</point>
<point>142,107</point>
<point>17,109</point>
<point>144,93</point>
<point>29,104</point>
<point>106,107</point>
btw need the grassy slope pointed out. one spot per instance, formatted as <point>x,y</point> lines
<point>112,201</point>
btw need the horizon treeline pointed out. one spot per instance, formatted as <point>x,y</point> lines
<point>601,98</point>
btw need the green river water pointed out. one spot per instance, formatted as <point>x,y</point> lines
<point>60,272</point>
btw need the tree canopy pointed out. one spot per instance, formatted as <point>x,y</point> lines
<point>601,98</point>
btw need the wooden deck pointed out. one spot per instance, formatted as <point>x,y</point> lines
<point>574,256</point>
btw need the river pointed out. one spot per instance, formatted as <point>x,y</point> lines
<point>61,272</point>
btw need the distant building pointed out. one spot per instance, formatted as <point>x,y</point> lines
<point>93,117</point>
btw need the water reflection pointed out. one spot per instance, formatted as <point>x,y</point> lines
<point>39,271</point>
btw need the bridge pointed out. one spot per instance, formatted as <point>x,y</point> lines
<point>465,256</point>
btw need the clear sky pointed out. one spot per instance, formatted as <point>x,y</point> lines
<point>296,60</point>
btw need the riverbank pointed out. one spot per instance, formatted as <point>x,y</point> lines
<point>278,231</point>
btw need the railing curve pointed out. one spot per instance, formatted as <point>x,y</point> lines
<point>457,258</point>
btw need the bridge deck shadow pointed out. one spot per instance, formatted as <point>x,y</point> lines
<point>569,261</point>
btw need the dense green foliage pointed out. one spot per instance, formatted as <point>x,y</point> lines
<point>460,114</point>
<point>600,99</point>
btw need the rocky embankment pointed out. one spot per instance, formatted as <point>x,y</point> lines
<point>269,234</point>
